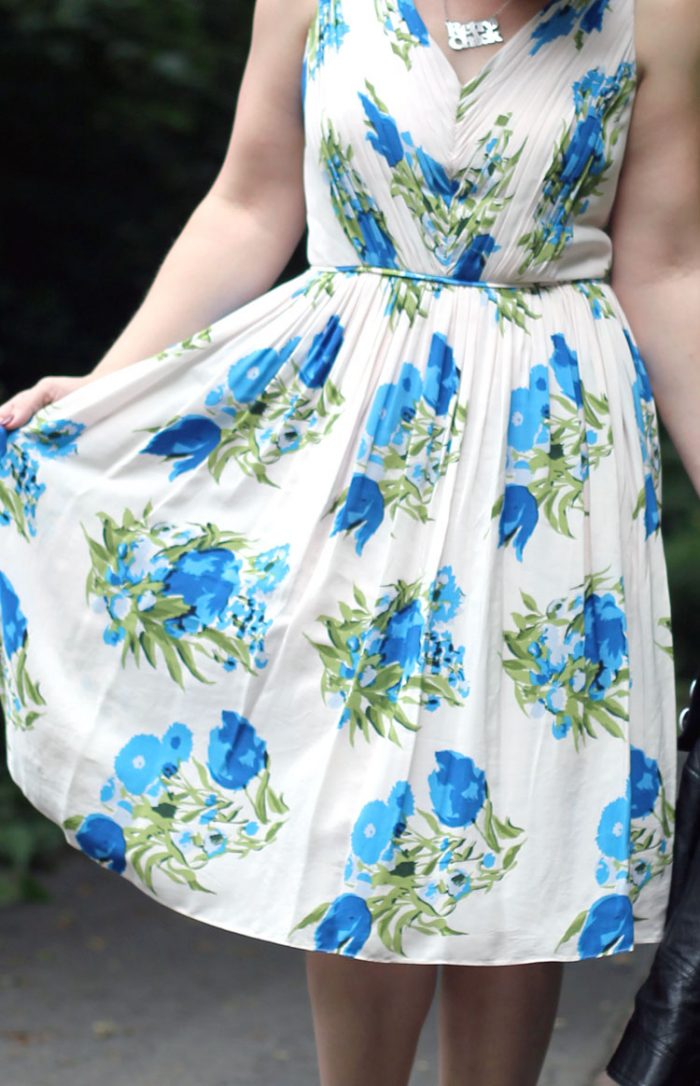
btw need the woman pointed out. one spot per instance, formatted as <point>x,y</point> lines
<point>377,621</point>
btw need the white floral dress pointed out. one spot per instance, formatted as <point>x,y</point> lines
<point>345,624</point>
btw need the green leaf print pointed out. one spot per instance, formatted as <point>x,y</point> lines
<point>649,500</point>
<point>410,868</point>
<point>381,665</point>
<point>166,812</point>
<point>183,596</point>
<point>22,453</point>
<point>568,662</point>
<point>362,222</point>
<point>452,211</point>
<point>414,463</point>
<point>666,645</point>
<point>274,402</point>
<point>404,37</point>
<point>327,31</point>
<point>597,298</point>
<point>555,440</point>
<point>411,438</point>
<point>634,837</point>
<point>467,96</point>
<point>198,342</point>
<point>22,698</point>
<point>583,158</point>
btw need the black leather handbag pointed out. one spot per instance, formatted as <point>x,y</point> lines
<point>661,1043</point>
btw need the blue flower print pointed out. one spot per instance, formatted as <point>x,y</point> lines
<point>403,638</point>
<point>169,814</point>
<point>589,14</point>
<point>399,652</point>
<point>605,639</point>
<point>249,377</point>
<point>457,788</point>
<point>327,32</point>
<point>185,594</point>
<point>564,362</point>
<point>519,517</point>
<point>14,623</point>
<point>645,781</point>
<point>411,872</point>
<point>414,23</point>
<point>363,509</point>
<point>570,651</point>
<point>373,832</point>
<point>559,25</point>
<point>377,249</point>
<point>613,835</point>
<point>236,752</point>
<point>139,763</point>
<point>272,567</point>
<point>436,177</point>
<point>323,353</point>
<point>652,514</point>
<point>379,825</point>
<point>644,387</point>
<point>644,409</point>
<point>189,440</point>
<point>594,15</point>
<point>529,411</point>
<point>410,441</point>
<point>52,439</point>
<point>581,160</point>
<point>471,264</point>
<point>446,597</point>
<point>586,151</point>
<point>609,927</point>
<point>206,580</point>
<point>442,375</point>
<point>384,135</point>
<point>401,799</point>
<point>20,468</point>
<point>103,840</point>
<point>394,403</point>
<point>345,927</point>
<point>176,748</point>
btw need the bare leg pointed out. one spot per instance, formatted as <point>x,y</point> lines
<point>367,1017</point>
<point>495,1022</point>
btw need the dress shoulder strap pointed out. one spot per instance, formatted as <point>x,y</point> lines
<point>327,32</point>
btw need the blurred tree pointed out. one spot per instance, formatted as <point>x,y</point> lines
<point>116,116</point>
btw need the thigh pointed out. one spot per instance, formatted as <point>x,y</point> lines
<point>496,1022</point>
<point>367,1017</point>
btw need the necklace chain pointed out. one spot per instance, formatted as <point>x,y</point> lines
<point>493,15</point>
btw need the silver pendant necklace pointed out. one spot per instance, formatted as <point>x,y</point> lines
<point>476,32</point>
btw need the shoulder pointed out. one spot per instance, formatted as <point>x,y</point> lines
<point>667,36</point>
<point>286,17</point>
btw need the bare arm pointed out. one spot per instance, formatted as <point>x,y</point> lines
<point>656,220</point>
<point>241,235</point>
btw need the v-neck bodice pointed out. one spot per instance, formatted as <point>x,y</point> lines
<point>509,178</point>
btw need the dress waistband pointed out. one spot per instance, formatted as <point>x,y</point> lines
<point>446,280</point>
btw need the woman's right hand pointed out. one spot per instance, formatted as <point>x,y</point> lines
<point>20,407</point>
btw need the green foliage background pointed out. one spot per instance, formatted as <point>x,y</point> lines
<point>116,116</point>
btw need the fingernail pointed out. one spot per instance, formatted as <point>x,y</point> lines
<point>5,420</point>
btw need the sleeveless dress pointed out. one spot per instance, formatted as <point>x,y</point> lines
<point>345,623</point>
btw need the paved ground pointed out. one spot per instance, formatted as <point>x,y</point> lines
<point>102,985</point>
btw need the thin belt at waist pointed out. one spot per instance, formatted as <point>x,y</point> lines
<point>446,280</point>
